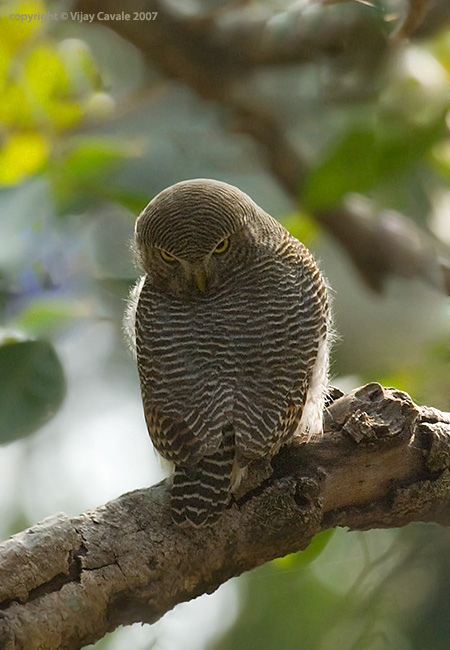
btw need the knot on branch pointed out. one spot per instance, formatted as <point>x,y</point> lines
<point>373,413</point>
<point>432,436</point>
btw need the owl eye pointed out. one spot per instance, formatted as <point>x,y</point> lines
<point>167,257</point>
<point>222,246</point>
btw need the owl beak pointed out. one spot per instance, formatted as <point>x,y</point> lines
<point>201,279</point>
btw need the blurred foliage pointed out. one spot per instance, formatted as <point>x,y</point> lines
<point>364,592</point>
<point>424,376</point>
<point>295,561</point>
<point>45,317</point>
<point>301,226</point>
<point>50,89</point>
<point>32,386</point>
<point>79,174</point>
<point>369,156</point>
<point>88,134</point>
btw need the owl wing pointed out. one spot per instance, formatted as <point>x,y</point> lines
<point>187,399</point>
<point>286,372</point>
<point>181,440</point>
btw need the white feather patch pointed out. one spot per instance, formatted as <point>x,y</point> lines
<point>311,422</point>
<point>129,320</point>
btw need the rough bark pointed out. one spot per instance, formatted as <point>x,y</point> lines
<point>382,462</point>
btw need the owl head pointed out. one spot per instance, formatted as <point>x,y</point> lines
<point>194,234</point>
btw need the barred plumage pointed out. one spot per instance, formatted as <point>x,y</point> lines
<point>232,345</point>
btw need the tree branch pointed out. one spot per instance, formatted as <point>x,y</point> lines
<point>415,18</point>
<point>383,462</point>
<point>437,19</point>
<point>232,40</point>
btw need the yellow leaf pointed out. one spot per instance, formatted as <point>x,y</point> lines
<point>14,108</point>
<point>22,155</point>
<point>49,88</point>
<point>18,21</point>
<point>45,75</point>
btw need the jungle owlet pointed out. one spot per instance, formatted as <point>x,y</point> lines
<point>231,333</point>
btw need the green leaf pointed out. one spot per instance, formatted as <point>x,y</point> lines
<point>134,201</point>
<point>91,159</point>
<point>45,317</point>
<point>350,166</point>
<point>368,156</point>
<point>32,386</point>
<point>301,226</point>
<point>303,558</point>
<point>84,170</point>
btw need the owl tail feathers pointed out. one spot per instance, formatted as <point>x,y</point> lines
<point>201,492</point>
